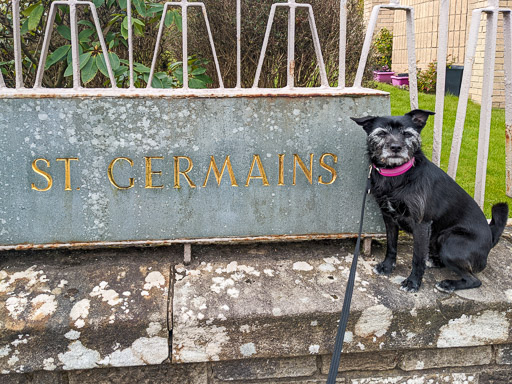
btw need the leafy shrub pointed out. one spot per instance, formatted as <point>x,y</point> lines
<point>383,46</point>
<point>114,21</point>
<point>427,78</point>
<point>196,72</point>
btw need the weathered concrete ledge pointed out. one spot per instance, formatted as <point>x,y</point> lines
<point>284,300</point>
<point>257,313</point>
<point>83,310</point>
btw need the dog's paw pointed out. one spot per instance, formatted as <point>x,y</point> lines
<point>410,285</point>
<point>384,268</point>
<point>445,286</point>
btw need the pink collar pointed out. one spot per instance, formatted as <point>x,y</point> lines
<point>390,172</point>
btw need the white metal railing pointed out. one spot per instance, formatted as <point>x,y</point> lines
<point>491,11</point>
<point>442,51</point>
<point>74,41</point>
<point>291,5</point>
<point>184,4</point>
<point>411,47</point>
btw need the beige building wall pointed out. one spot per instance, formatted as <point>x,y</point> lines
<point>426,25</point>
<point>386,16</point>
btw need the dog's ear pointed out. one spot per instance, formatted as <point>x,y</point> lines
<point>419,117</point>
<point>365,122</point>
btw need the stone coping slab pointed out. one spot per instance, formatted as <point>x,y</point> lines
<point>273,300</point>
<point>258,167</point>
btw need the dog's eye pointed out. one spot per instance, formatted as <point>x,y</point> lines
<point>407,134</point>
<point>382,133</point>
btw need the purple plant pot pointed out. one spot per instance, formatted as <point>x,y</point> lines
<point>398,81</point>
<point>383,77</point>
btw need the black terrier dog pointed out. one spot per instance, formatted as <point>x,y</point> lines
<point>418,197</point>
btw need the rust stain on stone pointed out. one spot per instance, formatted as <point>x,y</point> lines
<point>158,243</point>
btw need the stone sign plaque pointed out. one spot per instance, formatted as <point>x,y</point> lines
<point>107,170</point>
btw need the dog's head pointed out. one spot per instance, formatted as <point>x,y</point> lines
<point>393,140</point>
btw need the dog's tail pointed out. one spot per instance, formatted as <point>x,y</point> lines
<point>498,222</point>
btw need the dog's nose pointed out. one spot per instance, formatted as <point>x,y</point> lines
<point>396,147</point>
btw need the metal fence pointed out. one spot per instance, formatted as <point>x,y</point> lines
<point>184,5</point>
<point>491,12</point>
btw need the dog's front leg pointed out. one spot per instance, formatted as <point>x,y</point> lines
<point>387,266</point>
<point>421,234</point>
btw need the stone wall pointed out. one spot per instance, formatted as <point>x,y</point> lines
<point>253,313</point>
<point>471,365</point>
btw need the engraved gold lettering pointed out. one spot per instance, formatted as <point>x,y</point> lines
<point>111,175</point>
<point>177,171</point>
<point>218,175</point>
<point>333,172</point>
<point>46,176</point>
<point>67,168</point>
<point>280,180</point>
<point>263,176</point>
<point>307,172</point>
<point>150,172</point>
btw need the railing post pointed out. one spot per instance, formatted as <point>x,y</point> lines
<point>486,107</point>
<point>184,26</point>
<point>264,46</point>
<point>17,43</point>
<point>343,44</point>
<point>75,53</point>
<point>411,54</point>
<point>324,82</point>
<point>442,50</point>
<point>366,46</point>
<point>102,42</point>
<point>507,32</point>
<point>183,4</point>
<point>157,44</point>
<point>292,6</point>
<point>212,45</point>
<point>290,68</point>
<point>238,44</point>
<point>464,93</point>
<point>130,42</point>
<point>46,45</point>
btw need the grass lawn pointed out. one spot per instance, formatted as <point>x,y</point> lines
<point>495,182</point>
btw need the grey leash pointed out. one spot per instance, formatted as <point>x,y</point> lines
<point>340,335</point>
